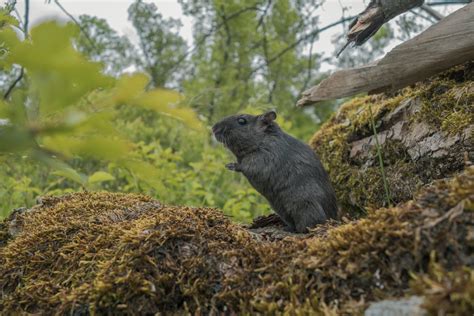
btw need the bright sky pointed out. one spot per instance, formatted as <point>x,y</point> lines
<point>115,12</point>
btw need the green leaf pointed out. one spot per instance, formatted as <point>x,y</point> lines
<point>146,172</point>
<point>129,86</point>
<point>61,168</point>
<point>59,74</point>
<point>4,110</point>
<point>15,139</point>
<point>70,174</point>
<point>100,176</point>
<point>8,41</point>
<point>7,19</point>
<point>164,101</point>
<point>90,146</point>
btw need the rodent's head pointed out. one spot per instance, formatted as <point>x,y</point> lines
<point>244,133</point>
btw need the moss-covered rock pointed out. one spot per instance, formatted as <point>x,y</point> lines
<point>425,132</point>
<point>105,253</point>
<point>122,254</point>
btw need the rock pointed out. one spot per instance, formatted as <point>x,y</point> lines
<point>405,307</point>
<point>425,133</point>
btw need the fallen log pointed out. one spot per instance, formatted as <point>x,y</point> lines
<point>368,22</point>
<point>442,46</point>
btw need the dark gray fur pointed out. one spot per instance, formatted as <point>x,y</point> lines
<point>286,171</point>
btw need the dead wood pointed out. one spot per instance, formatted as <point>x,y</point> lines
<point>442,46</point>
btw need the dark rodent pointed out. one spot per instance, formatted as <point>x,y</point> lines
<point>286,171</point>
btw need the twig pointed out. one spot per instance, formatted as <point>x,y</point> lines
<point>379,154</point>
<point>432,12</point>
<point>211,31</point>
<point>448,3</point>
<point>449,215</point>
<point>427,18</point>
<point>27,18</point>
<point>225,60</point>
<point>91,42</point>
<point>22,71</point>
<point>265,11</point>
<point>14,83</point>
<point>310,66</point>
<point>299,41</point>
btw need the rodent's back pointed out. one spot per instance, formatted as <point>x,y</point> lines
<point>287,171</point>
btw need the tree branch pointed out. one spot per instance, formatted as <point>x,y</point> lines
<point>22,71</point>
<point>432,12</point>
<point>309,68</point>
<point>298,42</point>
<point>83,31</point>
<point>427,18</point>
<point>211,31</point>
<point>432,4</point>
<point>225,60</point>
<point>14,83</point>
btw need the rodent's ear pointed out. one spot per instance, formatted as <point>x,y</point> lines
<point>268,117</point>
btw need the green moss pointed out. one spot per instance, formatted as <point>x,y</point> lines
<point>125,254</point>
<point>4,236</point>
<point>447,105</point>
<point>109,253</point>
<point>443,103</point>
<point>456,122</point>
<point>446,292</point>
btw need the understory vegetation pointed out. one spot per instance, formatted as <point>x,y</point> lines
<point>86,109</point>
<point>112,253</point>
<point>114,197</point>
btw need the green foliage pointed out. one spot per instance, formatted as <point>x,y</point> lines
<point>102,44</point>
<point>241,58</point>
<point>81,122</point>
<point>161,46</point>
<point>67,123</point>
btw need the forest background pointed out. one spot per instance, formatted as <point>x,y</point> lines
<point>84,108</point>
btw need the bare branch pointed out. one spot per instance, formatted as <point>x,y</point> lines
<point>369,21</point>
<point>432,12</point>
<point>424,17</point>
<point>84,32</point>
<point>27,18</point>
<point>211,31</point>
<point>432,4</point>
<point>309,68</point>
<point>22,71</point>
<point>264,14</point>
<point>13,85</point>
<point>298,42</point>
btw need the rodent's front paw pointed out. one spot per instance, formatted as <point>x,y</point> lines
<point>234,166</point>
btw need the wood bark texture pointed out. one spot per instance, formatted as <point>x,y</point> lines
<point>442,46</point>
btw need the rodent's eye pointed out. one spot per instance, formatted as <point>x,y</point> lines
<point>241,121</point>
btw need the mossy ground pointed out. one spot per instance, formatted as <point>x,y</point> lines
<point>110,253</point>
<point>444,103</point>
<point>105,253</point>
